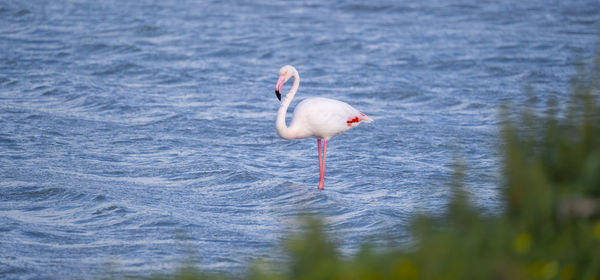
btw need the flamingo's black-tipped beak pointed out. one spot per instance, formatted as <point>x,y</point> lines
<point>279,86</point>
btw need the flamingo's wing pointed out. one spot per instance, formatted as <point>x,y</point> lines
<point>325,118</point>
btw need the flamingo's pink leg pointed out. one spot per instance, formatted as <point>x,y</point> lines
<point>319,151</point>
<point>320,159</point>
<point>322,165</point>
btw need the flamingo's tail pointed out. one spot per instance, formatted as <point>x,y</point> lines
<point>364,118</point>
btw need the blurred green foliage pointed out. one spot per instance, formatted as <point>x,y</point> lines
<point>549,227</point>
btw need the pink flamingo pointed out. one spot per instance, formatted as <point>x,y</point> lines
<point>320,117</point>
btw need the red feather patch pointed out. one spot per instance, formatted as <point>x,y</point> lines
<point>350,122</point>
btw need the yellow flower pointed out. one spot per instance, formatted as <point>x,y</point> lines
<point>522,242</point>
<point>597,230</point>
<point>550,269</point>
<point>545,270</point>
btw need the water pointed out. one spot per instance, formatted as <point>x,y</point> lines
<point>136,135</point>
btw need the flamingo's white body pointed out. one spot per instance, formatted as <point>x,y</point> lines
<point>320,117</point>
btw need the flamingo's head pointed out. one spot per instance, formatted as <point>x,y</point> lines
<point>285,73</point>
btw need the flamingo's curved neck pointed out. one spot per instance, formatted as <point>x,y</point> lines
<point>282,129</point>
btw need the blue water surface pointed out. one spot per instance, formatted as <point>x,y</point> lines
<point>135,135</point>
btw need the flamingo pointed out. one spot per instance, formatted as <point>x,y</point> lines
<point>320,117</point>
